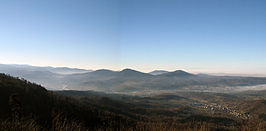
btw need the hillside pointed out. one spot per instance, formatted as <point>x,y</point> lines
<point>131,81</point>
<point>57,70</point>
<point>25,105</point>
<point>158,72</point>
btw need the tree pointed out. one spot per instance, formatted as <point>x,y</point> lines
<point>15,107</point>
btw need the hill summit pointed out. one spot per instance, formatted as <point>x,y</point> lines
<point>178,73</point>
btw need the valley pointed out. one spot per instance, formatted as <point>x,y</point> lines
<point>132,100</point>
<point>132,65</point>
<point>132,82</point>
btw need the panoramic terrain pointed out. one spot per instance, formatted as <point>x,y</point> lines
<point>129,81</point>
<point>132,65</point>
<point>82,100</point>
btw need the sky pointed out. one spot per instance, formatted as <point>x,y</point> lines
<point>208,36</point>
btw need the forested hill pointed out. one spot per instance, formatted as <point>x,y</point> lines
<point>29,106</point>
<point>129,81</point>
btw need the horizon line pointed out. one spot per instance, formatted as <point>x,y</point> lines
<point>218,73</point>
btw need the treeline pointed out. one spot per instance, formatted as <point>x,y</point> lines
<point>27,103</point>
<point>28,106</point>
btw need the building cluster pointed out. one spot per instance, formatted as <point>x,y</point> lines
<point>216,108</point>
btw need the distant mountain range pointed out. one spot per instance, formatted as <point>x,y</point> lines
<point>58,70</point>
<point>127,80</point>
<point>158,72</point>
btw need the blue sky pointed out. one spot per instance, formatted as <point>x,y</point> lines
<point>199,36</point>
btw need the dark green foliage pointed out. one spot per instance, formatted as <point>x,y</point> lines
<point>216,120</point>
<point>28,106</point>
<point>22,99</point>
<point>262,116</point>
<point>15,107</point>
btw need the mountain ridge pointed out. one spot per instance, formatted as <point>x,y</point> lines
<point>177,73</point>
<point>130,81</point>
<point>58,70</point>
<point>158,72</point>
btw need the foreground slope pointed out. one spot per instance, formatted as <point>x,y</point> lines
<point>22,101</point>
<point>27,106</point>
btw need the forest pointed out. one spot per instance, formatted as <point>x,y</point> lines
<point>29,106</point>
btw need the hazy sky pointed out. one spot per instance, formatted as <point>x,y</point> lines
<point>196,35</point>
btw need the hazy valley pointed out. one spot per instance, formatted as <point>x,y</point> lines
<point>129,81</point>
<point>25,106</point>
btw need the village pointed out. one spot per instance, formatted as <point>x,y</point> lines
<point>217,108</point>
